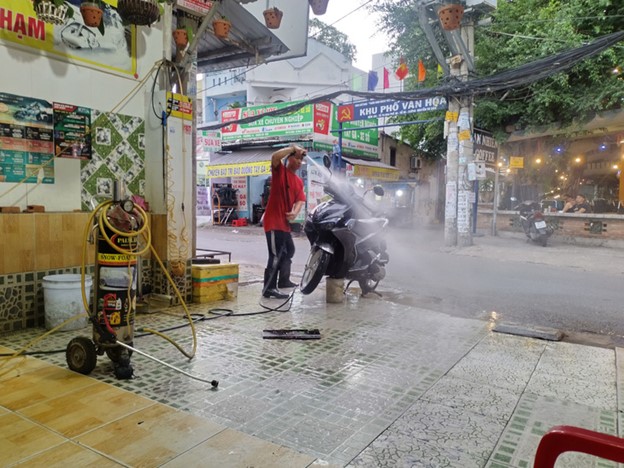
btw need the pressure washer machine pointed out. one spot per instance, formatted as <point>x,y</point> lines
<point>117,225</point>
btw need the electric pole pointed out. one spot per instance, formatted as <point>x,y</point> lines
<point>460,169</point>
<point>452,160</point>
<point>466,194</point>
<point>461,188</point>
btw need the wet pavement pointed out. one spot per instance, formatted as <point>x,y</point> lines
<point>386,385</point>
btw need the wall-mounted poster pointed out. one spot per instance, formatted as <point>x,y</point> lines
<point>26,146</point>
<point>115,50</point>
<point>72,131</point>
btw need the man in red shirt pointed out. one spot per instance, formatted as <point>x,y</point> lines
<point>286,200</point>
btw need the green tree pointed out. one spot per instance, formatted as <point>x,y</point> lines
<point>331,37</point>
<point>407,39</point>
<point>531,29</point>
<point>520,32</point>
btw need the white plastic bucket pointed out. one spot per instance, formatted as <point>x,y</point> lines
<point>62,299</point>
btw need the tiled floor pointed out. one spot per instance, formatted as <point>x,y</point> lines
<point>50,416</point>
<point>386,385</point>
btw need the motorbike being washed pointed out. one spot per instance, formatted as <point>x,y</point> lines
<point>346,238</point>
<point>533,222</point>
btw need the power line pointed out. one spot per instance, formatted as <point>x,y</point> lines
<point>556,20</point>
<point>522,36</point>
<point>509,79</point>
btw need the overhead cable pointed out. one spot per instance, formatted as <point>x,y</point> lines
<point>509,79</point>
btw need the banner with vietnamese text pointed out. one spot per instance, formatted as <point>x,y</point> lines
<point>115,50</point>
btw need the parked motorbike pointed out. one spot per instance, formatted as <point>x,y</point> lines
<point>346,239</point>
<point>533,222</point>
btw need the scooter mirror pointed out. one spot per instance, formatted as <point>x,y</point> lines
<point>379,191</point>
<point>326,161</point>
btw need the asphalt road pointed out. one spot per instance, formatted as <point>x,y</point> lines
<point>575,289</point>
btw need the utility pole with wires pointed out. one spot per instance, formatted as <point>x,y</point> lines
<point>466,190</point>
<point>461,188</point>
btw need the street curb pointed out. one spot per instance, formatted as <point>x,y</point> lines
<point>542,333</point>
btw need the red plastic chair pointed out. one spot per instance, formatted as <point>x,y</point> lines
<point>562,439</point>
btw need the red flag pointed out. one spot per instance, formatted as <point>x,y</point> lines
<point>402,70</point>
<point>421,71</point>
<point>386,78</point>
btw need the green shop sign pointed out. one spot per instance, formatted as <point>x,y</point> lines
<point>357,140</point>
<point>296,124</point>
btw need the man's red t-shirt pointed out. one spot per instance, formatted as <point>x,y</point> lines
<point>286,189</point>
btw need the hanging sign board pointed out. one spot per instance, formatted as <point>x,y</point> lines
<point>72,41</point>
<point>208,141</point>
<point>298,123</point>
<point>244,169</point>
<point>375,109</point>
<point>485,147</point>
<point>375,173</point>
<point>516,162</point>
<point>360,138</point>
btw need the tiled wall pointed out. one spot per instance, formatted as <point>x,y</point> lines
<point>118,153</point>
<point>22,296</point>
<point>25,259</point>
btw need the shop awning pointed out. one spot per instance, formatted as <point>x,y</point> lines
<point>375,170</point>
<point>241,163</point>
<point>249,42</point>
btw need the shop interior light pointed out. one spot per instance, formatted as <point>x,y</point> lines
<point>577,160</point>
<point>399,193</point>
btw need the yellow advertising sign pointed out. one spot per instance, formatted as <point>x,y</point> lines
<point>180,106</point>
<point>239,170</point>
<point>464,135</point>
<point>376,173</point>
<point>114,51</point>
<point>451,116</point>
<point>516,162</point>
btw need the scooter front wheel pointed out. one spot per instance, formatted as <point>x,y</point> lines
<point>315,268</point>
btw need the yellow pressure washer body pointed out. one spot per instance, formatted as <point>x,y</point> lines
<point>113,308</point>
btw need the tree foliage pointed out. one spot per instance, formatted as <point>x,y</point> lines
<point>332,38</point>
<point>520,32</point>
<point>531,29</point>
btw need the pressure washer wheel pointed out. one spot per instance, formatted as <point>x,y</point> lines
<point>81,355</point>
